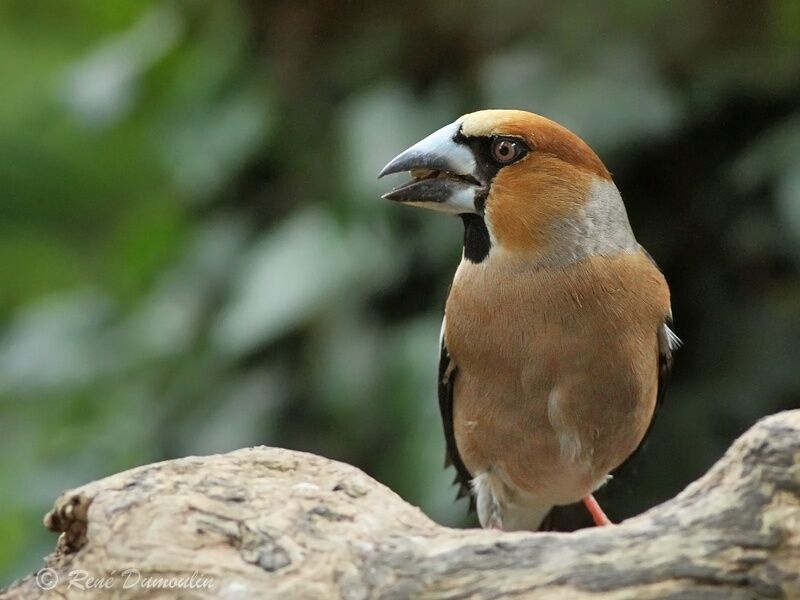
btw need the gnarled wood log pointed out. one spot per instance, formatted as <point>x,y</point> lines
<point>272,523</point>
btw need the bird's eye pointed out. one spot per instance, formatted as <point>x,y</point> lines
<point>505,150</point>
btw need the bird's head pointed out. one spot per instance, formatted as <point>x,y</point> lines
<point>521,182</point>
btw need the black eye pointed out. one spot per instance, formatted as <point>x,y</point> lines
<point>507,150</point>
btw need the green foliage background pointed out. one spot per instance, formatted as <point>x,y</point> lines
<point>194,256</point>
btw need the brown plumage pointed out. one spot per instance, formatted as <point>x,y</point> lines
<point>555,342</point>
<point>568,374</point>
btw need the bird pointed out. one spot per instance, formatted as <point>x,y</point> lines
<point>557,340</point>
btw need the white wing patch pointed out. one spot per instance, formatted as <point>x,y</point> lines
<point>672,339</point>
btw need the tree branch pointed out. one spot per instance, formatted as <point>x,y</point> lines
<point>267,522</point>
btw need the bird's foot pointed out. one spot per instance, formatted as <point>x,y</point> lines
<point>598,516</point>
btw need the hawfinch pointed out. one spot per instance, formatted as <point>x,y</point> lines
<point>556,342</point>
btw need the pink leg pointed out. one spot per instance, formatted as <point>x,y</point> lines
<point>597,513</point>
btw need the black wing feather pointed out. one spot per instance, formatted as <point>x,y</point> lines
<point>447,377</point>
<point>667,342</point>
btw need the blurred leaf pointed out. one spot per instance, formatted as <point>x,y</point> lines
<point>205,146</point>
<point>57,332</point>
<point>379,124</point>
<point>101,87</point>
<point>293,273</point>
<point>618,99</point>
<point>243,413</point>
<point>774,154</point>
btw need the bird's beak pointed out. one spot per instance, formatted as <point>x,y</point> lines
<point>443,171</point>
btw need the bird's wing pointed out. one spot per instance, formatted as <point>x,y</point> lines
<point>668,342</point>
<point>447,377</point>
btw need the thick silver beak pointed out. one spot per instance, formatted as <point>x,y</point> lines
<point>443,171</point>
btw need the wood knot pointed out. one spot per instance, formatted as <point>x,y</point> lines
<point>260,548</point>
<point>69,517</point>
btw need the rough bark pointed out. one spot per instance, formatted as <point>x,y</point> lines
<point>272,523</point>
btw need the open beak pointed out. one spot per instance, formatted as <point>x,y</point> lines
<point>443,173</point>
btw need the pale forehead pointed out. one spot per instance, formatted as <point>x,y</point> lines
<point>500,122</point>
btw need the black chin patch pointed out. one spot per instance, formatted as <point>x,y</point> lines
<point>476,238</point>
